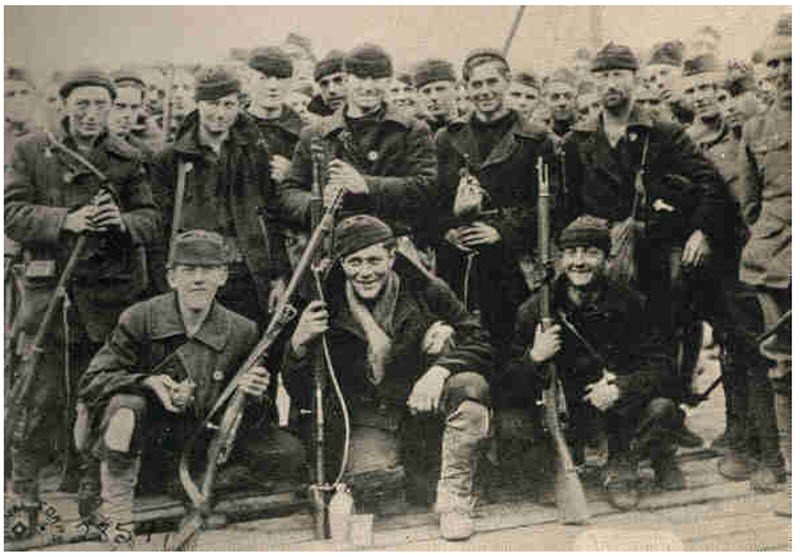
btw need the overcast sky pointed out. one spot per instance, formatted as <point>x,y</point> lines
<point>46,38</point>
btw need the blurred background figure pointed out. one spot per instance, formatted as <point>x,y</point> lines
<point>588,107</point>
<point>523,93</point>
<point>298,100</point>
<point>705,40</point>
<point>435,81</point>
<point>561,93</point>
<point>401,94</point>
<point>156,90</point>
<point>649,102</point>
<point>464,106</point>
<point>663,68</point>
<point>299,49</point>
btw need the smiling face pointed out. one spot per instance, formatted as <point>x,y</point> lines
<point>366,94</point>
<point>401,96</point>
<point>217,116</point>
<point>583,265</point>
<point>368,270</point>
<point>87,108</point>
<point>487,87</point>
<point>196,285</point>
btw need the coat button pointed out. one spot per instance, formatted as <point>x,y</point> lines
<point>218,375</point>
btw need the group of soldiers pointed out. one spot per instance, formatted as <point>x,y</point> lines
<point>669,206</point>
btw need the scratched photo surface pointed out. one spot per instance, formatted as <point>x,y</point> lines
<point>416,278</point>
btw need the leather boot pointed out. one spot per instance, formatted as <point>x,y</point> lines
<point>118,475</point>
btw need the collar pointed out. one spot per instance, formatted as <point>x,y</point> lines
<point>188,141</point>
<point>521,127</point>
<point>706,141</point>
<point>337,122</point>
<point>167,322</point>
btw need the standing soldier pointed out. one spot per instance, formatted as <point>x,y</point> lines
<point>561,93</point>
<point>766,200</point>
<point>19,106</point>
<point>523,93</point>
<point>435,81</point>
<point>384,160</point>
<point>330,77</point>
<point>127,119</point>
<point>223,165</point>
<point>487,197</point>
<point>664,68</point>
<point>279,124</point>
<point>52,198</point>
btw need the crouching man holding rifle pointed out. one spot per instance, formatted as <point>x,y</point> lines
<point>159,374</point>
<point>612,370</point>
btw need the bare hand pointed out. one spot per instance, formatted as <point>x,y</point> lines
<point>313,322</point>
<point>344,175</point>
<point>80,220</point>
<point>277,288</point>
<point>478,234</point>
<point>427,391</point>
<point>162,386</point>
<point>279,168</point>
<point>255,381</point>
<point>438,335</point>
<point>604,393</point>
<point>454,237</point>
<point>546,343</point>
<point>108,216</point>
<point>696,249</point>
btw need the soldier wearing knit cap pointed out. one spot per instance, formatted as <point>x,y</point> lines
<point>561,93</point>
<point>622,396</point>
<point>330,77</point>
<point>279,124</point>
<point>215,137</point>
<point>702,78</point>
<point>523,93</point>
<point>663,67</point>
<point>384,159</point>
<point>435,81</point>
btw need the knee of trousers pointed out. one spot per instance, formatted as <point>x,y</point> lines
<point>664,412</point>
<point>121,428</point>
<point>464,386</point>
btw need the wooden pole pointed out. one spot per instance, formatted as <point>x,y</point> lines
<point>513,31</point>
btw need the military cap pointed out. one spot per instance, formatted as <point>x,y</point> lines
<point>563,75</point>
<point>525,77</point>
<point>481,56</point>
<point>739,77</point>
<point>615,57</point>
<point>669,53</point>
<point>332,63</point>
<point>368,60</point>
<point>16,73</point>
<point>127,76</point>
<point>431,70</point>
<point>214,82</point>
<point>358,232</point>
<point>586,231</point>
<point>271,60</point>
<point>198,247</point>
<point>85,77</point>
<point>702,68</point>
<point>779,44</point>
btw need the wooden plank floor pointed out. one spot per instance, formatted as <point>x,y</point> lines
<point>711,514</point>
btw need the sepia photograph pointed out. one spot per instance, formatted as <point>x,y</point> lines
<point>397,278</point>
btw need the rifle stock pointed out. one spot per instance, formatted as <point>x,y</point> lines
<point>570,498</point>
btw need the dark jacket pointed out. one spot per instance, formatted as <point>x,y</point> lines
<point>246,186</point>
<point>317,106</point>
<point>43,184</point>
<point>602,184</point>
<point>282,133</point>
<point>399,167</point>
<point>421,302</point>
<point>615,325</point>
<point>150,339</point>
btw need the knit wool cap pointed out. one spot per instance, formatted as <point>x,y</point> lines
<point>586,231</point>
<point>127,77</point>
<point>480,56</point>
<point>271,61</point>
<point>432,70</point>
<point>359,232</point>
<point>87,77</point>
<point>368,60</point>
<point>779,44</point>
<point>198,247</point>
<point>333,62</point>
<point>615,57</point>
<point>526,78</point>
<point>215,82</point>
<point>669,53</point>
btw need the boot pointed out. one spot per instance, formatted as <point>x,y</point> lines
<point>118,475</point>
<point>89,497</point>
<point>669,476</point>
<point>622,482</point>
<point>783,413</point>
<point>25,485</point>
<point>737,465</point>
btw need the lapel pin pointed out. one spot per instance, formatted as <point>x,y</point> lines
<point>633,136</point>
<point>372,156</point>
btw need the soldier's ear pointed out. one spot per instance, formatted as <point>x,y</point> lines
<point>222,277</point>
<point>171,277</point>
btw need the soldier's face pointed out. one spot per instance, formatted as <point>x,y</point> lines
<point>583,265</point>
<point>333,90</point>
<point>196,285</point>
<point>464,104</point>
<point>368,270</point>
<point>521,98</point>
<point>182,93</point>
<point>87,108</point>
<point>487,87</point>
<point>779,73</point>
<point>588,107</point>
<point>562,99</point>
<point>616,87</point>
<point>217,116</point>
<point>126,109</point>
<point>19,100</point>
<point>401,95</point>
<point>51,106</point>
<point>659,76</point>
<point>439,98</point>
<point>270,90</point>
<point>700,92</point>
<point>366,93</point>
<point>299,103</point>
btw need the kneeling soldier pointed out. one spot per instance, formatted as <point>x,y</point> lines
<point>617,390</point>
<point>159,374</point>
<point>384,317</point>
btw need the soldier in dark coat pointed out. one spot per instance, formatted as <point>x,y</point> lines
<point>51,198</point>
<point>403,389</point>
<point>493,227</point>
<point>128,119</point>
<point>620,393</point>
<point>383,159</point>
<point>330,77</point>
<point>157,377</point>
<point>226,164</point>
<point>435,81</point>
